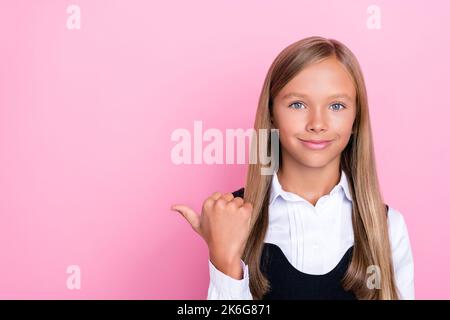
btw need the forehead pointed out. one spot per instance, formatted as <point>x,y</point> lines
<point>324,79</point>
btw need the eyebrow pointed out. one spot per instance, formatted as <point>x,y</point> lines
<point>301,95</point>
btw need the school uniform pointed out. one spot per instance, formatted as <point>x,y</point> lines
<point>307,249</point>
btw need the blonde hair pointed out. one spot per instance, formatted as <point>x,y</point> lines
<point>371,239</point>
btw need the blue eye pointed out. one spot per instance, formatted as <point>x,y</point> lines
<point>295,105</point>
<point>337,104</point>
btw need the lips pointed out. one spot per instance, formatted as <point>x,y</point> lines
<point>316,144</point>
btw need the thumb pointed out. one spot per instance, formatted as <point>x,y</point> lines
<point>190,215</point>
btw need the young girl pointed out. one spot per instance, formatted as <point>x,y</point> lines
<point>318,228</point>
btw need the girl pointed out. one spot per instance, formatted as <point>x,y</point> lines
<point>318,228</point>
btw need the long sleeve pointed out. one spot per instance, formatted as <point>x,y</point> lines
<point>401,255</point>
<point>223,287</point>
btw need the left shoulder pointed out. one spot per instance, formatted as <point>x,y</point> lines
<point>402,256</point>
<point>397,226</point>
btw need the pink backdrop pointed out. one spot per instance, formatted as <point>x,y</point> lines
<point>86,117</point>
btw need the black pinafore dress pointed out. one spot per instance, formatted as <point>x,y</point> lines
<point>289,283</point>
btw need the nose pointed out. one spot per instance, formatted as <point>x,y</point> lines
<point>316,122</point>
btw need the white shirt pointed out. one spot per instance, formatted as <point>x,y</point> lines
<point>315,238</point>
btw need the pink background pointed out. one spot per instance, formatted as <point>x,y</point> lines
<point>86,117</point>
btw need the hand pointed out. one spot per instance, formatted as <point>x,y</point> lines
<point>224,224</point>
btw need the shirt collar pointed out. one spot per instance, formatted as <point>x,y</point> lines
<point>276,189</point>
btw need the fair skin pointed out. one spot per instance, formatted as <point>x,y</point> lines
<point>224,223</point>
<point>305,109</point>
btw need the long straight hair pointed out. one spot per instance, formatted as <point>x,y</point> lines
<point>371,239</point>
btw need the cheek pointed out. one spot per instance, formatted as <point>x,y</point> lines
<point>343,130</point>
<point>289,122</point>
<point>288,127</point>
<point>342,126</point>
<point>289,130</point>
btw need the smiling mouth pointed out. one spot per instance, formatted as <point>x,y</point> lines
<point>316,144</point>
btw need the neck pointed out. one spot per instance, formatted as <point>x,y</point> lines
<point>310,183</point>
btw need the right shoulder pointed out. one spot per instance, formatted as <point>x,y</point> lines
<point>238,193</point>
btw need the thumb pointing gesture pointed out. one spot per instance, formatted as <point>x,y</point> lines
<point>224,224</point>
<point>190,215</point>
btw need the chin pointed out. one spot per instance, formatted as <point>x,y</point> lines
<point>314,162</point>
